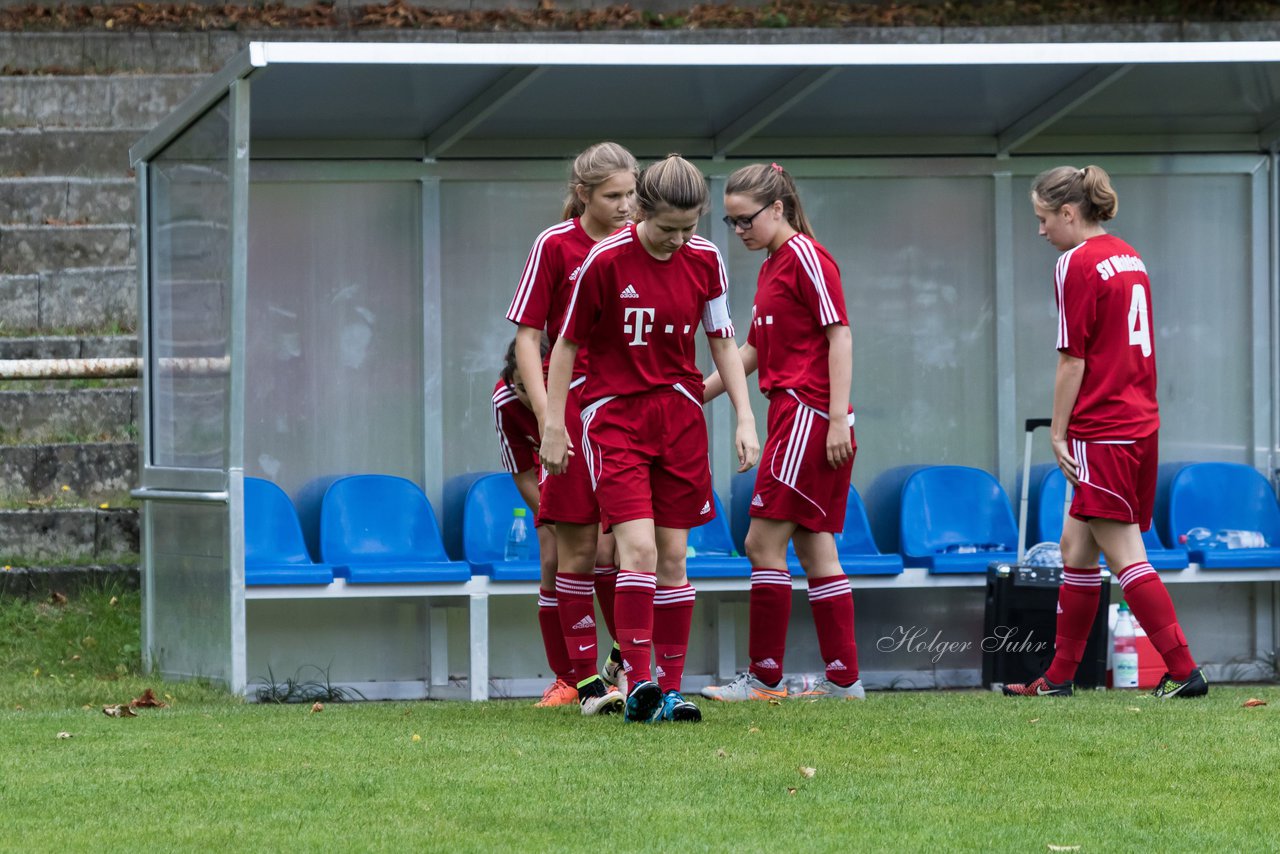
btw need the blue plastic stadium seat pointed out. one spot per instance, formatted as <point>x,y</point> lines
<point>381,529</point>
<point>855,545</point>
<point>714,553</point>
<point>486,518</point>
<point>944,506</point>
<point>1044,518</point>
<point>453,501</point>
<point>274,551</point>
<point>1224,495</point>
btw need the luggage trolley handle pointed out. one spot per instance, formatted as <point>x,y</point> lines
<point>1033,424</point>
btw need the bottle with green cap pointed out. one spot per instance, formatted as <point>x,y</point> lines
<point>517,537</point>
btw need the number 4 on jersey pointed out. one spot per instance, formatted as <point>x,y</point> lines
<point>1139,333</point>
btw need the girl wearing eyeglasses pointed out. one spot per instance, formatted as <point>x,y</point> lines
<point>799,340</point>
<point>637,305</point>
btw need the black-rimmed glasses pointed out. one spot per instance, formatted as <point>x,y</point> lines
<point>744,222</point>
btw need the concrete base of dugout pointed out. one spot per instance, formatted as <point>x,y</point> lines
<point>409,647</point>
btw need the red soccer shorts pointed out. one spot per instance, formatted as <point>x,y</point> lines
<point>568,497</point>
<point>794,482</point>
<point>1117,480</point>
<point>648,457</point>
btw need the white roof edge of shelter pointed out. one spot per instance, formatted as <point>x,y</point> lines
<point>551,54</point>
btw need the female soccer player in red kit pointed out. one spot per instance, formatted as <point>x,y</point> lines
<point>800,341</point>
<point>1105,428</point>
<point>518,442</point>
<point>642,293</point>
<point>601,196</point>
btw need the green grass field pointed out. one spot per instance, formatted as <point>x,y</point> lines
<point>935,771</point>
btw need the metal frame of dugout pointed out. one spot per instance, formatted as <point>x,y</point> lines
<point>329,234</point>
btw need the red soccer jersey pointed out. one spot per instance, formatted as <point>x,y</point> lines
<point>547,282</point>
<point>1104,317</point>
<point>637,315</point>
<point>517,430</point>
<point>798,295</point>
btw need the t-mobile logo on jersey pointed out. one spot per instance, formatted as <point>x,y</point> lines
<point>638,324</point>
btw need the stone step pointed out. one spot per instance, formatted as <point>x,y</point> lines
<point>69,347</point>
<point>117,101</point>
<point>86,299</point>
<point>53,415</point>
<point>89,471</point>
<point>71,201</point>
<point>40,248</point>
<point>43,581</point>
<point>80,152</point>
<point>37,534</point>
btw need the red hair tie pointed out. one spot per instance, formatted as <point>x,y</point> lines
<point>775,167</point>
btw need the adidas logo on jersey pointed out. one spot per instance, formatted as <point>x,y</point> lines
<point>629,292</point>
<point>706,508</point>
<point>573,277</point>
<point>585,623</point>
<point>768,664</point>
<point>757,501</point>
<point>836,665</point>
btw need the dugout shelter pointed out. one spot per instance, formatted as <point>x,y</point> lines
<point>330,235</point>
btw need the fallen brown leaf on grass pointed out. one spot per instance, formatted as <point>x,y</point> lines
<point>65,734</point>
<point>317,707</point>
<point>807,772</point>
<point>720,753</point>
<point>1034,721</point>
<point>1254,702</point>
<point>119,710</point>
<point>791,790</point>
<point>57,598</point>
<point>754,729</point>
<point>148,701</point>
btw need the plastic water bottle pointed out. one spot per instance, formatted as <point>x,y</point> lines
<point>1233,539</point>
<point>517,537</point>
<point>1198,539</point>
<point>1124,650</point>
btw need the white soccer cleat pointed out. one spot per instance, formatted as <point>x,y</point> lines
<point>825,689</point>
<point>745,687</point>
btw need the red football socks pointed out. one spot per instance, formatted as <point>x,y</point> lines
<point>606,578</point>
<point>553,635</point>
<point>633,616</point>
<point>672,619</point>
<point>1153,609</point>
<point>770,611</point>
<point>1077,608</point>
<point>577,622</point>
<point>832,603</point>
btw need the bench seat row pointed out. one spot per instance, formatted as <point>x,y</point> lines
<point>380,529</point>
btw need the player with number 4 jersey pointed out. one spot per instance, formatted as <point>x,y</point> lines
<point>1105,429</point>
